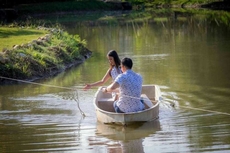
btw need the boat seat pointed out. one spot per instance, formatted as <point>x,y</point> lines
<point>106,104</point>
<point>147,102</point>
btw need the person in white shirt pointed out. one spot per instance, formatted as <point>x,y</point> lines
<point>130,87</point>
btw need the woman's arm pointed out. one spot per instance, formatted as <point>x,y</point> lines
<point>101,82</point>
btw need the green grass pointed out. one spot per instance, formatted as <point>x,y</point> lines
<point>17,36</point>
<point>41,56</point>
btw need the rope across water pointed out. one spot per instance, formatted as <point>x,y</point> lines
<point>77,100</point>
<point>52,86</point>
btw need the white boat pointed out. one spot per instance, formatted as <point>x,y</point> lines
<point>103,103</point>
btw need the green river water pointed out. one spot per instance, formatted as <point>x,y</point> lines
<point>187,56</point>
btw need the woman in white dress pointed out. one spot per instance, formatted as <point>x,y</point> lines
<point>113,71</point>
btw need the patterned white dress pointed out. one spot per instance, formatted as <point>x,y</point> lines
<point>115,72</point>
<point>130,92</point>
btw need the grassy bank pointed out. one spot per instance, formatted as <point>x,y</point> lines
<point>44,56</point>
<point>12,36</point>
<point>30,53</point>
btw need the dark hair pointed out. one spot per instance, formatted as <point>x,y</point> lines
<point>127,62</point>
<point>115,56</point>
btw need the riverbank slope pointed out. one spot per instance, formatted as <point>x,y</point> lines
<point>43,57</point>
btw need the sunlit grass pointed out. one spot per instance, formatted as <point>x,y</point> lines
<point>17,36</point>
<point>53,50</point>
<point>162,19</point>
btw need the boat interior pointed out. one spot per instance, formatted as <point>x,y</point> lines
<point>105,101</point>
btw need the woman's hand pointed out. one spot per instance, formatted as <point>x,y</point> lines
<point>87,86</point>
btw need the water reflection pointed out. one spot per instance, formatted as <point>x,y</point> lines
<point>187,56</point>
<point>41,123</point>
<point>129,138</point>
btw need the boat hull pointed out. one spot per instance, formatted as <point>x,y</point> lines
<point>105,113</point>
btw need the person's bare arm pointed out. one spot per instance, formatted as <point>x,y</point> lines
<point>101,82</point>
<point>111,87</point>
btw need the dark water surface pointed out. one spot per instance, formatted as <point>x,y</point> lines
<point>187,57</point>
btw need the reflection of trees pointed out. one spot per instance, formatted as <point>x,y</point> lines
<point>188,53</point>
<point>20,138</point>
<point>1,100</point>
<point>27,123</point>
<point>207,134</point>
<point>158,32</point>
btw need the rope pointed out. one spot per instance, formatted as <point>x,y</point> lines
<point>139,98</point>
<point>83,114</point>
<point>205,110</point>
<point>52,86</point>
<point>194,108</point>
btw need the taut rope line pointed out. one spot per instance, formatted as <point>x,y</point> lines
<point>200,109</point>
<point>53,86</point>
<point>47,85</point>
<point>205,110</point>
<point>186,107</point>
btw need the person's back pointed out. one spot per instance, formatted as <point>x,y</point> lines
<point>130,86</point>
<point>130,91</point>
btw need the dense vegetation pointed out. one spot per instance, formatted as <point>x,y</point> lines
<point>95,3</point>
<point>45,56</point>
